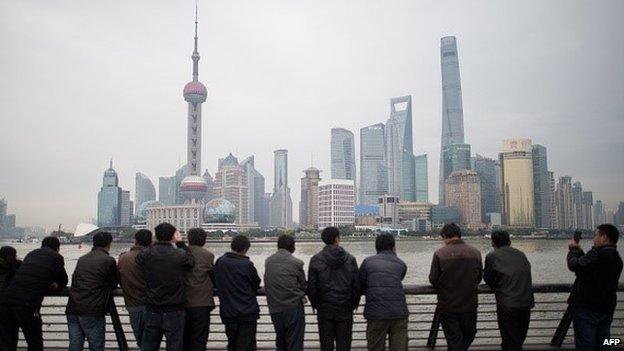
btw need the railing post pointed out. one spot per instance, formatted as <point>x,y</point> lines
<point>433,333</point>
<point>562,329</point>
<point>122,343</point>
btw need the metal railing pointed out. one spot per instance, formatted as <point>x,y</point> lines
<point>548,328</point>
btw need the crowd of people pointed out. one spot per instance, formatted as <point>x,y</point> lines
<point>169,291</point>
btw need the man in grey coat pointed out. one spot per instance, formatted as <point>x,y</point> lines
<point>508,273</point>
<point>285,286</point>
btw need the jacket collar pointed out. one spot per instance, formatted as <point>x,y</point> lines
<point>387,252</point>
<point>457,241</point>
<point>235,255</point>
<point>137,248</point>
<point>101,249</point>
<point>284,252</point>
<point>163,243</point>
<point>605,246</point>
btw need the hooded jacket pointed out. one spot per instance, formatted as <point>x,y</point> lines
<point>333,283</point>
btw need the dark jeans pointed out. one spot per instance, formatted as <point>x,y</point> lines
<point>459,329</point>
<point>14,317</point>
<point>137,322</point>
<point>591,328</point>
<point>91,327</point>
<point>395,329</point>
<point>196,328</point>
<point>331,330</point>
<point>513,324</point>
<point>289,329</point>
<point>241,335</point>
<point>170,324</point>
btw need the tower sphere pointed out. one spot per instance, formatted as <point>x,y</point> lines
<point>193,187</point>
<point>195,91</point>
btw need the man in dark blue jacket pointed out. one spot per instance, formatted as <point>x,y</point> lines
<point>42,271</point>
<point>594,292</point>
<point>386,308</point>
<point>237,283</point>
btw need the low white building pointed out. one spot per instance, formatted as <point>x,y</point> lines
<point>336,203</point>
<point>183,217</point>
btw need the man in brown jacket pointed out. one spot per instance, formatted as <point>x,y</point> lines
<point>199,293</point>
<point>132,282</point>
<point>456,271</point>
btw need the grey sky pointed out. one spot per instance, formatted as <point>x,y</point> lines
<point>83,81</point>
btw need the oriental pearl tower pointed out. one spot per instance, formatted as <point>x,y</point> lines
<point>193,186</point>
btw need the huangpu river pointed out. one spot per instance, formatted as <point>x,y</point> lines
<point>547,257</point>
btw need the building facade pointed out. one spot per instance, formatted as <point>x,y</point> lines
<point>166,190</point>
<point>143,189</point>
<point>126,210</point>
<point>422,178</point>
<point>400,150</point>
<point>308,206</point>
<point>463,191</point>
<point>342,154</point>
<point>281,202</point>
<point>455,157</point>
<point>109,200</point>
<point>336,204</point>
<point>373,172</point>
<point>488,171</point>
<point>541,187</point>
<point>517,183</point>
<point>231,184</point>
<point>255,184</point>
<point>183,216</point>
<point>565,206</point>
<point>389,211</point>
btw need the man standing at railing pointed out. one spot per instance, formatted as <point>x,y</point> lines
<point>508,272</point>
<point>237,283</point>
<point>386,310</point>
<point>93,280</point>
<point>285,285</point>
<point>165,267</point>
<point>334,291</point>
<point>594,295</point>
<point>456,271</point>
<point>42,271</point>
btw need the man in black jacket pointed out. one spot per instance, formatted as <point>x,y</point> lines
<point>42,271</point>
<point>237,283</point>
<point>165,268</point>
<point>594,292</point>
<point>93,280</point>
<point>334,291</point>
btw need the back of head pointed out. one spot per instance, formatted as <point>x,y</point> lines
<point>196,236</point>
<point>610,231</point>
<point>164,231</point>
<point>102,239</point>
<point>286,242</point>
<point>8,254</point>
<point>143,237</point>
<point>329,235</point>
<point>384,242</point>
<point>450,230</point>
<point>500,238</point>
<point>240,244</point>
<point>51,243</point>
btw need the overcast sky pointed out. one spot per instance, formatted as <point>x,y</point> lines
<point>84,81</point>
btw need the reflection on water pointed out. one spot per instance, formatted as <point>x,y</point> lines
<point>547,257</point>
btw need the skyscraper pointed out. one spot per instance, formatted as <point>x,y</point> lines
<point>281,203</point>
<point>210,185</point>
<point>166,190</point>
<point>565,207</point>
<point>342,154</point>
<point>3,213</point>
<point>554,219</point>
<point>400,149</point>
<point>488,171</point>
<point>336,203</point>
<point>455,157</point>
<point>109,199</point>
<point>231,184</point>
<point>308,206</point>
<point>464,192</point>
<point>255,183</point>
<point>599,213</point>
<point>452,108</point>
<point>143,189</point>
<point>125,212</point>
<point>373,172</point>
<point>541,187</point>
<point>517,188</point>
<point>194,187</point>
<point>587,210</point>
<point>422,178</point>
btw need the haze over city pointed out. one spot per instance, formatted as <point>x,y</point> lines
<point>86,82</point>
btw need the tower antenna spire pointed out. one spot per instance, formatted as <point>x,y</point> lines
<point>195,55</point>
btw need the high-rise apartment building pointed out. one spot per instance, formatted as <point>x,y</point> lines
<point>488,171</point>
<point>587,210</point>
<point>463,191</point>
<point>455,157</point>
<point>342,154</point>
<point>517,176</point>
<point>422,178</point>
<point>577,205</point>
<point>400,149</point>
<point>231,184</point>
<point>565,206</point>
<point>143,189</point>
<point>281,203</point>
<point>109,199</point>
<point>554,218</point>
<point>541,187</point>
<point>452,107</point>
<point>373,172</point>
<point>255,183</point>
<point>308,206</point>
<point>336,204</point>
<point>599,213</point>
<point>126,210</point>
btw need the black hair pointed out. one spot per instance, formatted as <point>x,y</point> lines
<point>240,244</point>
<point>500,238</point>
<point>384,242</point>
<point>143,237</point>
<point>450,230</point>
<point>102,239</point>
<point>196,236</point>
<point>165,231</point>
<point>329,235</point>
<point>287,242</point>
<point>51,243</point>
<point>610,231</point>
<point>8,254</point>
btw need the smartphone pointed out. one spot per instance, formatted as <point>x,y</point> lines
<point>577,237</point>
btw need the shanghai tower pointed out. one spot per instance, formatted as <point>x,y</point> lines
<point>452,110</point>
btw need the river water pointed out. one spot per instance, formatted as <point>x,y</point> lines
<point>547,257</point>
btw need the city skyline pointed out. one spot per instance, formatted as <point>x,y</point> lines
<point>121,127</point>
